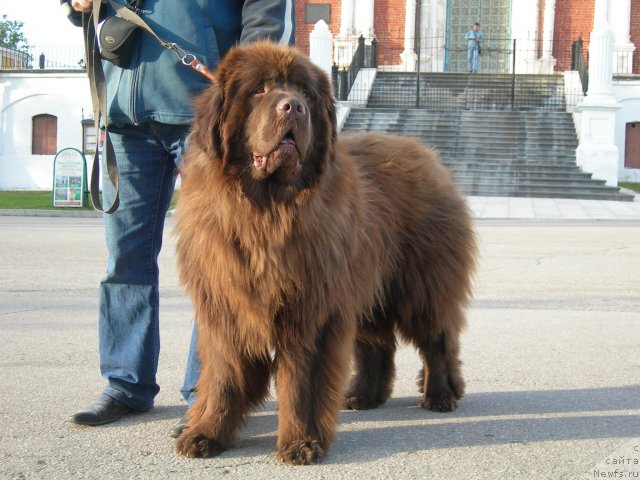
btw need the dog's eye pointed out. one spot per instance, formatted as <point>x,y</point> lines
<point>259,90</point>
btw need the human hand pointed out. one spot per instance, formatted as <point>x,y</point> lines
<point>83,6</point>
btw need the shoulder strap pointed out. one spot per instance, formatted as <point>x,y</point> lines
<point>131,16</point>
<point>99,101</point>
<point>185,57</point>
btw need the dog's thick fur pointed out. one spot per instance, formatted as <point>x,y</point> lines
<point>297,245</point>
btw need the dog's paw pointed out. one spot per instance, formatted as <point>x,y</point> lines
<point>301,452</point>
<point>357,402</point>
<point>446,402</point>
<point>196,445</point>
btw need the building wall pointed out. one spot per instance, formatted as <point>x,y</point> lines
<point>24,95</point>
<point>574,19</point>
<point>389,17</point>
<point>635,33</point>
<point>627,94</point>
<point>303,30</point>
<point>66,94</point>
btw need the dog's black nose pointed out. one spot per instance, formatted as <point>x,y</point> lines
<point>291,106</point>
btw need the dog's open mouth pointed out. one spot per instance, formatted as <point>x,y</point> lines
<point>285,152</point>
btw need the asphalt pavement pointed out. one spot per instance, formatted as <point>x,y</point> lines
<point>551,358</point>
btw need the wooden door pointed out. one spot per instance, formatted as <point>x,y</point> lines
<point>632,145</point>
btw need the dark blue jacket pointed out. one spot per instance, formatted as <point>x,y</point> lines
<point>157,86</point>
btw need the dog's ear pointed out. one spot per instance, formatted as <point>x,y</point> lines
<point>209,116</point>
<point>327,133</point>
<point>332,129</point>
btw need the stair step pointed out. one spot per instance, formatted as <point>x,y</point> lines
<point>525,184</point>
<point>518,140</point>
<point>544,194</point>
<point>506,166</point>
<point>506,127</point>
<point>534,177</point>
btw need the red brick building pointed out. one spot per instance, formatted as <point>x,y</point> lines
<point>441,24</point>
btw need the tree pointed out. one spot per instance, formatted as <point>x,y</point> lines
<point>11,35</point>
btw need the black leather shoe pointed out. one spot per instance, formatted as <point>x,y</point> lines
<point>105,409</point>
<point>177,430</point>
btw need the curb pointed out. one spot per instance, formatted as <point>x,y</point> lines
<point>28,212</point>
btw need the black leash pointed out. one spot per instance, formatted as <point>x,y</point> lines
<point>99,102</point>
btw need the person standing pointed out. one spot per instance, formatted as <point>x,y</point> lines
<point>474,38</point>
<point>149,106</point>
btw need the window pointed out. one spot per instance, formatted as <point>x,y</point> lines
<point>314,12</point>
<point>88,137</point>
<point>632,146</point>
<point>45,135</point>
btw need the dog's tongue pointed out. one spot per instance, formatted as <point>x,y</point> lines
<point>260,161</point>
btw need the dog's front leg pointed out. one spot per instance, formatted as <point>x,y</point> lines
<point>311,374</point>
<point>230,384</point>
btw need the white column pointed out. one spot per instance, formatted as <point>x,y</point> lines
<point>523,29</point>
<point>432,28</point>
<point>426,15</point>
<point>600,54</point>
<point>409,55</point>
<point>436,34</point>
<point>547,63</point>
<point>346,18</point>
<point>345,42</point>
<point>357,19</point>
<point>363,22</point>
<point>619,19</point>
<point>597,152</point>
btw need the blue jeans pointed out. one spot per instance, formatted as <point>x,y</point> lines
<point>474,59</point>
<point>129,337</point>
<point>192,372</point>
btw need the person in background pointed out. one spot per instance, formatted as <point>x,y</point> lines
<point>149,107</point>
<point>474,39</point>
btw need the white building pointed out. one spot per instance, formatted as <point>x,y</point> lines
<point>41,112</point>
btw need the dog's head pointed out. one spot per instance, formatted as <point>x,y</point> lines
<point>270,119</point>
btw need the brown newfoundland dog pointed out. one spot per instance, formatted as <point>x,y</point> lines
<point>299,246</point>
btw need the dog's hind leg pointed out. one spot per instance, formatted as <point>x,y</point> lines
<point>375,349</point>
<point>440,380</point>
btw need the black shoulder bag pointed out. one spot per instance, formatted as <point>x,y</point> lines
<point>116,36</point>
<point>479,46</point>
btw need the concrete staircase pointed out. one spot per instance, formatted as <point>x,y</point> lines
<point>496,153</point>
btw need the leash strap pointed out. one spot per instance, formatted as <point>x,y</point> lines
<point>99,102</point>
<point>188,59</point>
